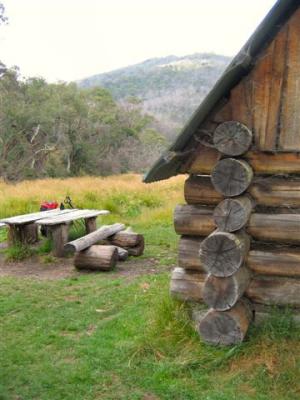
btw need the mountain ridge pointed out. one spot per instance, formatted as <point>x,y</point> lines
<point>170,88</point>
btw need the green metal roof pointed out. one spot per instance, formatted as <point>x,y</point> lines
<point>169,163</point>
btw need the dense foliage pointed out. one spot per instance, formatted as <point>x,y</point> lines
<point>62,130</point>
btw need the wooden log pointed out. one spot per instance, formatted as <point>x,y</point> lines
<point>22,234</point>
<point>223,293</point>
<point>187,285</point>
<point>90,224</point>
<point>275,262</point>
<point>122,253</point>
<point>233,214</point>
<point>274,291</point>
<point>199,190</point>
<point>231,177</point>
<point>97,258</point>
<point>94,237</point>
<point>133,242</point>
<point>270,192</point>
<point>228,327</point>
<point>188,253</point>
<point>272,261</point>
<point>232,138</point>
<point>223,253</point>
<point>198,221</point>
<point>59,235</point>
<point>191,220</point>
<point>261,163</point>
<point>282,228</point>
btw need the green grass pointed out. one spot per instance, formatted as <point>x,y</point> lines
<point>108,338</point>
<point>97,337</point>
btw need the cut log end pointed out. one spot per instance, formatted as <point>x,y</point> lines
<point>231,177</point>
<point>223,253</point>
<point>228,327</point>
<point>232,138</point>
<point>233,214</point>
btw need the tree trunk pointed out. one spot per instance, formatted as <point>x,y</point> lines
<point>97,258</point>
<point>222,253</point>
<point>233,214</point>
<point>186,285</point>
<point>188,253</point>
<point>232,138</point>
<point>231,177</point>
<point>228,327</point>
<point>200,190</point>
<point>94,237</point>
<point>223,293</point>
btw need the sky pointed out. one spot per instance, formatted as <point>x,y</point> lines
<point>72,39</point>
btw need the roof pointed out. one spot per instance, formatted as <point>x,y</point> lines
<point>170,162</point>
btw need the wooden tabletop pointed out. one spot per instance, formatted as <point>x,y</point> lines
<point>29,218</point>
<point>71,216</point>
<point>52,217</point>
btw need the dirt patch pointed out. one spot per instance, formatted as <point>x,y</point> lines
<point>62,268</point>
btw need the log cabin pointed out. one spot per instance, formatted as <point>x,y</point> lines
<point>239,248</point>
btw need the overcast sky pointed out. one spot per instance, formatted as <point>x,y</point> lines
<point>72,39</point>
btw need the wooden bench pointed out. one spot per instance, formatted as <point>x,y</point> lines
<point>22,228</point>
<point>59,226</point>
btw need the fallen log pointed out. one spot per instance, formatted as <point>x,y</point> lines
<point>186,285</point>
<point>232,138</point>
<point>269,192</point>
<point>122,253</point>
<point>228,327</point>
<point>231,177</point>
<point>133,242</point>
<point>97,258</point>
<point>275,261</point>
<point>223,293</point>
<point>198,221</point>
<point>94,237</point>
<point>223,253</point>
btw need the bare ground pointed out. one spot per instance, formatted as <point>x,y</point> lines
<point>61,268</point>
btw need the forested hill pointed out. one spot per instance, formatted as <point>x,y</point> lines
<point>170,88</point>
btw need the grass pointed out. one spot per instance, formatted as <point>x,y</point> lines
<point>102,337</point>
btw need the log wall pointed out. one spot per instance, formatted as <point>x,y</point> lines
<point>240,235</point>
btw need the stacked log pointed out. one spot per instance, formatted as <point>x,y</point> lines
<point>240,240</point>
<point>102,248</point>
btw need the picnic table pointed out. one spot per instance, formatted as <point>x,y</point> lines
<point>24,228</point>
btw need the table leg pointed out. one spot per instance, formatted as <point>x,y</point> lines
<point>59,235</point>
<point>23,234</point>
<point>90,224</point>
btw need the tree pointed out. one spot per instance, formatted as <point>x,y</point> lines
<point>3,18</point>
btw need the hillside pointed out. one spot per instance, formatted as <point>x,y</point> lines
<point>170,88</point>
